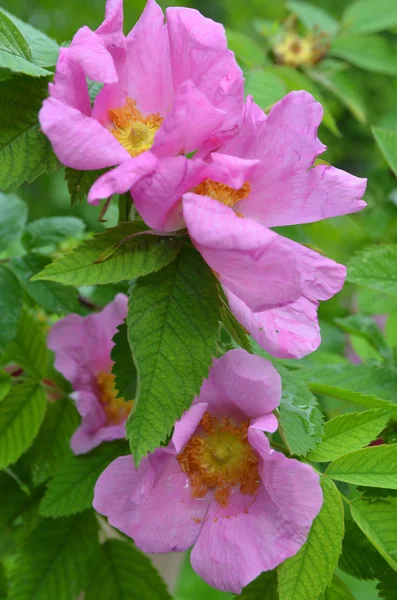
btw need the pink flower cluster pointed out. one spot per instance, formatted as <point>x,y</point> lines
<point>171,120</point>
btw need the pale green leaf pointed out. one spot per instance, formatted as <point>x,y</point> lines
<point>120,253</point>
<point>265,87</point>
<point>56,559</point>
<point>375,267</point>
<point>190,586</point>
<point>15,53</point>
<point>373,467</point>
<point>173,324</point>
<point>387,142</point>
<point>51,231</point>
<point>338,590</point>
<point>80,182</point>
<point>349,432</point>
<point>307,574</point>
<point>25,152</point>
<point>29,349</point>
<point>52,444</point>
<point>314,17</point>
<point>122,572</point>
<point>378,520</point>
<point>245,48</point>
<point>124,368</point>
<point>13,215</point>
<point>353,397</point>
<point>369,52</point>
<point>369,16</point>
<point>21,414</point>
<point>365,327</point>
<point>72,489</point>
<point>342,86</point>
<point>10,306</point>
<point>301,422</point>
<point>44,50</point>
<point>5,384</point>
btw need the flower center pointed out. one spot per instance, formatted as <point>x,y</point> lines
<point>219,457</point>
<point>134,131</point>
<point>116,409</point>
<point>222,192</point>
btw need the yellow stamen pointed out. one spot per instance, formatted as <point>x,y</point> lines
<point>219,457</point>
<point>134,131</point>
<point>222,192</point>
<point>116,409</point>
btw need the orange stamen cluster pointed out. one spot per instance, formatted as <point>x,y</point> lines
<point>222,192</point>
<point>132,129</point>
<point>116,409</point>
<point>219,457</point>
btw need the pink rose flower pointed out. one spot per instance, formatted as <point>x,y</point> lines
<point>82,347</point>
<point>218,486</point>
<point>167,89</point>
<point>266,175</point>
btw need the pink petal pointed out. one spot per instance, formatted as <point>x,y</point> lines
<point>149,77</point>
<point>250,260</point>
<point>241,384</point>
<point>89,51</point>
<point>267,423</point>
<point>78,141</point>
<point>246,144</point>
<point>293,486</point>
<point>288,332</point>
<point>190,122</point>
<point>233,549</point>
<point>83,441</point>
<point>167,519</point>
<point>186,426</point>
<point>70,84</point>
<point>111,30</point>
<point>122,178</point>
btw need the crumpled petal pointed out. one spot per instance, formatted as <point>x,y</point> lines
<point>250,260</point>
<point>187,424</point>
<point>111,30</point>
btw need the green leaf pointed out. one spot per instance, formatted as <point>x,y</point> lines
<point>122,573</point>
<point>342,86</point>
<point>353,397</point>
<point>265,87</point>
<point>378,520</point>
<point>21,415</point>
<point>365,327</point>
<point>3,582</point>
<point>29,348</point>
<point>367,16</point>
<point>369,52</point>
<point>51,231</point>
<point>264,586</point>
<point>190,586</point>
<point>5,384</point>
<point>15,53</point>
<point>387,142</point>
<point>374,467</point>
<point>375,267</point>
<point>301,422</point>
<point>13,501</point>
<point>124,368</point>
<point>307,574</point>
<point>120,253</point>
<point>349,432</point>
<point>10,306</point>
<point>338,590</point>
<point>359,558</point>
<point>13,216</point>
<point>52,444</point>
<point>387,585</point>
<point>55,562</point>
<point>313,17</point>
<point>173,327</point>
<point>245,48</point>
<point>25,152</point>
<point>52,296</point>
<point>80,182</point>
<point>72,489</point>
<point>44,50</point>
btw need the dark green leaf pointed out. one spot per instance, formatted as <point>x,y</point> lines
<point>388,585</point>
<point>123,573</point>
<point>359,558</point>
<point>265,586</point>
<point>72,489</point>
<point>375,267</point>
<point>342,86</point>
<point>366,328</point>
<point>13,215</point>
<point>387,142</point>
<point>265,87</point>
<point>29,348</point>
<point>124,368</point>
<point>10,306</point>
<point>5,384</point>
<point>21,415</point>
<point>56,560</point>
<point>120,253</point>
<point>245,48</point>
<point>338,590</point>
<point>80,182</point>
<point>173,325</point>
<point>25,152</point>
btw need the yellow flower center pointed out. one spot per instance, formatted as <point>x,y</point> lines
<point>220,457</point>
<point>296,51</point>
<point>116,409</point>
<point>134,131</point>
<point>222,192</point>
